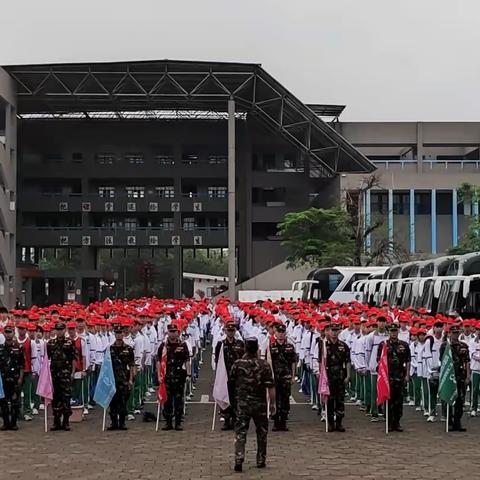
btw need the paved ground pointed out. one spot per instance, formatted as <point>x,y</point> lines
<point>423,451</point>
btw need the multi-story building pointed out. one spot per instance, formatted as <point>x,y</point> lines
<point>123,168</point>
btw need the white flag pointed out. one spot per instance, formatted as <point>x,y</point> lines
<point>220,388</point>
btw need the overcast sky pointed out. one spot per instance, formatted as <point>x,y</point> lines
<point>384,59</point>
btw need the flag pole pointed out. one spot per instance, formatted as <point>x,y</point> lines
<point>386,417</point>
<point>158,417</point>
<point>326,416</point>
<point>448,419</point>
<point>214,415</point>
<point>104,419</point>
<point>45,414</point>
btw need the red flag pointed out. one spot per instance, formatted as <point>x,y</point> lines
<point>162,389</point>
<point>383,385</point>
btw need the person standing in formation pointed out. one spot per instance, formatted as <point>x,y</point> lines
<point>252,378</point>
<point>12,362</point>
<point>177,371</point>
<point>284,359</point>
<point>62,354</point>
<point>233,349</point>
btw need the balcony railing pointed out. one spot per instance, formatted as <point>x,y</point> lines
<point>429,162</point>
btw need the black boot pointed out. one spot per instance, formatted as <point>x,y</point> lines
<point>13,422</point>
<point>114,425</point>
<point>6,423</point>
<point>178,424</point>
<point>66,423</point>
<point>121,423</point>
<point>331,425</point>
<point>57,423</point>
<point>276,425</point>
<point>227,425</point>
<point>339,427</point>
<point>238,466</point>
<point>168,424</point>
<point>283,425</point>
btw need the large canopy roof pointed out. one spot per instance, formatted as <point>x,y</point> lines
<point>183,85</point>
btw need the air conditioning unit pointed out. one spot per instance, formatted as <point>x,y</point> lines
<point>63,240</point>
<point>109,206</point>
<point>153,240</point>
<point>175,206</point>
<point>131,240</point>
<point>86,206</point>
<point>153,207</point>
<point>197,240</point>
<point>131,207</point>
<point>109,240</point>
<point>63,206</point>
<point>197,206</point>
<point>86,240</point>
<point>176,240</point>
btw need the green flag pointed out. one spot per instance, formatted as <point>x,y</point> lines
<point>447,389</point>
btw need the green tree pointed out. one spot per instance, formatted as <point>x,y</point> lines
<point>318,237</point>
<point>200,262</point>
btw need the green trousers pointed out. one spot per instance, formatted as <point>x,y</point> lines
<point>368,391</point>
<point>373,397</point>
<point>417,390</point>
<point>27,394</point>
<point>35,398</point>
<point>425,396</point>
<point>475,390</point>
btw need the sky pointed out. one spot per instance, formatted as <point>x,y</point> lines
<point>386,60</point>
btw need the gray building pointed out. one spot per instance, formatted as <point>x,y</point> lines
<point>123,171</point>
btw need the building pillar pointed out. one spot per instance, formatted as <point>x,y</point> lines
<point>177,271</point>
<point>367,209</point>
<point>434,220</point>
<point>390,216</point>
<point>475,209</point>
<point>231,200</point>
<point>419,147</point>
<point>412,220</point>
<point>454,218</point>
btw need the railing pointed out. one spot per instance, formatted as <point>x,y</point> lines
<point>446,163</point>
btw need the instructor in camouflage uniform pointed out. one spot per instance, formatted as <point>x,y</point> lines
<point>62,353</point>
<point>251,378</point>
<point>12,361</point>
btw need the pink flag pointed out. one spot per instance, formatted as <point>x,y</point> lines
<point>45,385</point>
<point>323,386</point>
<point>383,384</point>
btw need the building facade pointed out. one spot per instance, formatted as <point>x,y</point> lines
<point>420,166</point>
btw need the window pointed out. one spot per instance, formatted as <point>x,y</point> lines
<point>105,158</point>
<point>218,223</point>
<point>444,203</point>
<point>165,159</point>
<point>379,202</point>
<point>189,223</point>
<point>134,158</point>
<point>53,158</point>
<point>401,203</point>
<point>130,224</point>
<point>106,192</point>
<point>77,157</point>
<point>423,203</point>
<point>28,255</point>
<point>217,192</point>
<point>135,192</point>
<point>269,161</point>
<point>109,222</point>
<point>165,192</point>
<point>217,159</point>
<point>167,224</point>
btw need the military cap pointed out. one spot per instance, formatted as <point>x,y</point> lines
<point>230,326</point>
<point>9,329</point>
<point>59,326</point>
<point>438,323</point>
<point>393,326</point>
<point>454,328</point>
<point>280,327</point>
<point>118,328</point>
<point>335,326</point>
<point>172,327</point>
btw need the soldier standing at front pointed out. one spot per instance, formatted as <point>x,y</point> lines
<point>62,354</point>
<point>123,363</point>
<point>178,369</point>
<point>398,359</point>
<point>461,365</point>
<point>252,377</point>
<point>338,373</point>
<point>284,361</point>
<point>12,360</point>
<point>233,349</point>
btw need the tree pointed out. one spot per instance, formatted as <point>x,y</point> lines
<point>317,237</point>
<point>200,262</point>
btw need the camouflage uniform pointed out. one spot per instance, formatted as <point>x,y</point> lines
<point>12,361</point>
<point>177,355</point>
<point>123,360</point>
<point>337,359</point>
<point>62,354</point>
<point>232,351</point>
<point>398,356</point>
<point>283,357</point>
<point>250,377</point>
<point>460,357</point>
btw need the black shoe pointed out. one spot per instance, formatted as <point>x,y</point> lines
<point>261,465</point>
<point>167,427</point>
<point>122,427</point>
<point>276,427</point>
<point>339,427</point>
<point>13,427</point>
<point>111,428</point>
<point>331,427</point>
<point>178,427</point>
<point>4,428</point>
<point>238,467</point>
<point>397,428</point>
<point>458,428</point>
<point>56,428</point>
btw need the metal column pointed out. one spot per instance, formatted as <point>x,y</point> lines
<point>454,218</point>
<point>368,239</point>
<point>231,200</point>
<point>390,216</point>
<point>434,220</point>
<point>412,220</point>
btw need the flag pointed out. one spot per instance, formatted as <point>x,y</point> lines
<point>323,385</point>
<point>162,389</point>
<point>45,385</point>
<point>383,384</point>
<point>105,388</point>
<point>447,388</point>
<point>2,393</point>
<point>220,387</point>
